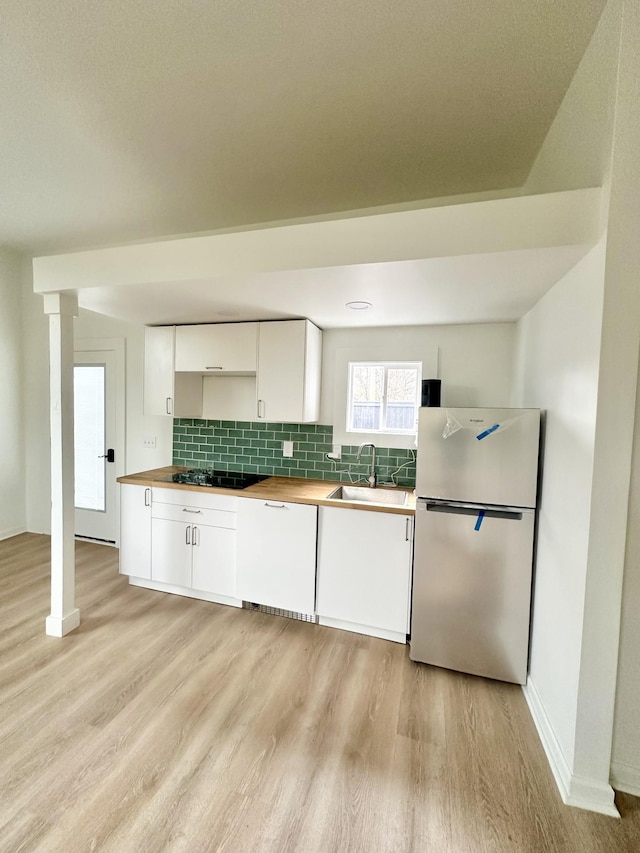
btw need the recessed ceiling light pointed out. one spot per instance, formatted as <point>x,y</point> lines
<point>359,306</point>
<point>228,313</point>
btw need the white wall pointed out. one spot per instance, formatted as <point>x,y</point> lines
<point>474,362</point>
<point>594,139</point>
<point>626,741</point>
<point>12,492</point>
<point>577,150</point>
<point>36,378</point>
<point>37,469</point>
<point>558,350</point>
<point>138,426</point>
<point>613,552</point>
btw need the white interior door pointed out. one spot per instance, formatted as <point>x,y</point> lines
<point>95,445</point>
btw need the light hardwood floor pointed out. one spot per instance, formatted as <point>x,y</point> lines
<point>169,724</point>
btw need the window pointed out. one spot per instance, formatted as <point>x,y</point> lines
<point>89,436</point>
<point>383,397</point>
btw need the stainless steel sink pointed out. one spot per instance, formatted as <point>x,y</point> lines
<point>365,494</point>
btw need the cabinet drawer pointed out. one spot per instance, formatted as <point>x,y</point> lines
<point>203,500</point>
<point>195,515</point>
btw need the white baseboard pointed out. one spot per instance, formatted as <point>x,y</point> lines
<point>95,541</point>
<point>12,531</point>
<point>188,593</point>
<point>370,631</point>
<point>60,626</point>
<point>625,778</point>
<point>578,791</point>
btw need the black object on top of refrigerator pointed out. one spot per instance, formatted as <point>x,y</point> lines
<point>431,392</point>
<point>476,482</point>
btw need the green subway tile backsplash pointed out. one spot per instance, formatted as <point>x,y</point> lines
<point>257,448</point>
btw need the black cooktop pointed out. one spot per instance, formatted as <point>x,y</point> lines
<point>217,479</point>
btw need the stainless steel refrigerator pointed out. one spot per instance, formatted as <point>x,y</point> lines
<point>476,483</point>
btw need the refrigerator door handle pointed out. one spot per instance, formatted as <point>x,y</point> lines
<point>507,513</point>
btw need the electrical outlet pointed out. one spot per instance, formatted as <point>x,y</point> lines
<point>336,452</point>
<point>149,441</point>
<point>287,449</point>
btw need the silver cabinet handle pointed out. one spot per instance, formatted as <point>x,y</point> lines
<point>147,497</point>
<point>187,535</point>
<point>194,511</point>
<point>195,538</point>
<point>261,408</point>
<point>169,406</point>
<point>275,506</point>
<point>218,367</point>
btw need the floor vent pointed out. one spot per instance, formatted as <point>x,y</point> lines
<point>277,611</point>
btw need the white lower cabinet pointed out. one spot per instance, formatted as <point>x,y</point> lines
<point>135,530</point>
<point>179,541</point>
<point>364,571</point>
<point>277,554</point>
<point>214,560</point>
<point>193,555</point>
<point>233,549</point>
<point>172,552</point>
<point>194,543</point>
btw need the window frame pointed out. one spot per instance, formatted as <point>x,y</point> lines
<point>386,366</point>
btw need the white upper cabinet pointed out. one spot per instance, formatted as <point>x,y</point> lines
<point>289,363</point>
<point>280,360</point>
<point>216,348</point>
<point>164,393</point>
<point>158,370</point>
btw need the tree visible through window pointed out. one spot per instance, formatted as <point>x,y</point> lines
<point>383,397</point>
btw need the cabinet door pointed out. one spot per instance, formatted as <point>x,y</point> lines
<point>171,552</point>
<point>214,560</point>
<point>364,568</point>
<point>135,531</point>
<point>283,361</point>
<point>217,348</point>
<point>158,370</point>
<point>277,554</point>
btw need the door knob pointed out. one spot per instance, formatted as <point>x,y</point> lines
<point>110,455</point>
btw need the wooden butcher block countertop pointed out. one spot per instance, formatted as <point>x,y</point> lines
<point>289,489</point>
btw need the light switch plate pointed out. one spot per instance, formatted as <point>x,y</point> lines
<point>149,441</point>
<point>287,449</point>
<point>336,452</point>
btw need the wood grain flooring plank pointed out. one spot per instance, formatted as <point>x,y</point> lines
<point>170,724</point>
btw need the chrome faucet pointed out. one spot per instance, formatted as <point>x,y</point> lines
<point>372,475</point>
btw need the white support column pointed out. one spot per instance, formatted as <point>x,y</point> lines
<point>64,617</point>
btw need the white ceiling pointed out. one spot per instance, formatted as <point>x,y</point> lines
<point>485,261</point>
<point>135,120</point>
<point>138,119</point>
<point>494,287</point>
